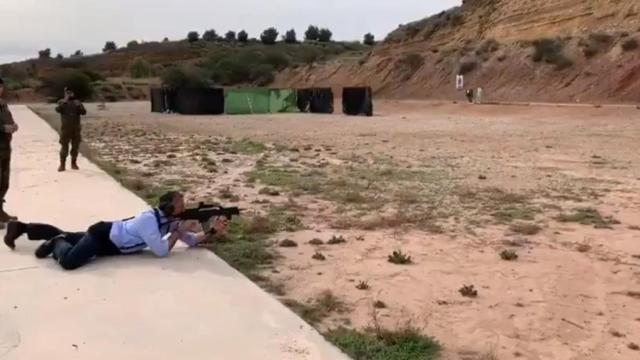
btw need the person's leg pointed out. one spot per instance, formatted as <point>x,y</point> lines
<point>5,174</point>
<point>71,257</point>
<point>75,149</point>
<point>95,242</point>
<point>64,150</point>
<point>34,231</point>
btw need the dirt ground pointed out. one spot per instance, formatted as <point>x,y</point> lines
<point>451,186</point>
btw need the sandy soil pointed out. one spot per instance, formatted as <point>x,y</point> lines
<point>450,185</point>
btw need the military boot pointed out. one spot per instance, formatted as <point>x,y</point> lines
<point>4,217</point>
<point>15,229</point>
<point>74,164</point>
<point>63,164</point>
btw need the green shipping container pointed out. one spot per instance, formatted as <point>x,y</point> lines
<point>283,101</point>
<point>247,101</point>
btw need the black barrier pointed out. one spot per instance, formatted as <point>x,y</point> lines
<point>304,100</point>
<point>157,100</point>
<point>201,101</point>
<point>162,99</point>
<point>357,101</point>
<point>316,100</point>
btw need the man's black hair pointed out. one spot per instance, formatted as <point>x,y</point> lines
<point>165,202</point>
<point>1,81</point>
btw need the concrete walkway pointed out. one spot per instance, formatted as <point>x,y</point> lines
<point>191,305</point>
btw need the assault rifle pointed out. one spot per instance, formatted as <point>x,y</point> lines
<point>205,212</point>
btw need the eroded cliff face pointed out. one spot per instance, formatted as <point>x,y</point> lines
<point>495,42</point>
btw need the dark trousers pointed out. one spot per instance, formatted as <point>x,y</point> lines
<point>73,137</point>
<point>74,249</point>
<point>5,167</point>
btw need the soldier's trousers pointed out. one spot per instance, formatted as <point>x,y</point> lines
<point>5,167</point>
<point>70,137</point>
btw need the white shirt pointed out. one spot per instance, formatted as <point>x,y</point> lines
<point>150,229</point>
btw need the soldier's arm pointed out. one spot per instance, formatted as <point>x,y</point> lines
<point>6,119</point>
<point>82,110</point>
<point>59,107</point>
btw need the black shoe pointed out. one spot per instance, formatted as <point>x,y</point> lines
<point>46,248</point>
<point>4,217</point>
<point>74,166</point>
<point>15,229</point>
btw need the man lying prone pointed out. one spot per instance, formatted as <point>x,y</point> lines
<point>158,229</point>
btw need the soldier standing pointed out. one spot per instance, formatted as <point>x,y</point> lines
<point>70,110</point>
<point>7,128</point>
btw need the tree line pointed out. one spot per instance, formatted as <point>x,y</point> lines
<point>268,37</point>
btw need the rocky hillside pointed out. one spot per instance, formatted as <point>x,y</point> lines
<point>519,50</point>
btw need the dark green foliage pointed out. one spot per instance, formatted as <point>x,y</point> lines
<point>44,54</point>
<point>184,77</point>
<point>210,35</point>
<point>369,39</point>
<point>551,52</point>
<point>318,256</point>
<point>132,44</point>
<point>468,291</point>
<point>243,37</point>
<point>588,216</point>
<point>78,53</point>
<point>380,344</point>
<point>59,57</point>
<point>109,46</point>
<point>325,35</point>
<point>413,61</point>
<point>630,45</point>
<point>230,36</point>
<point>92,75</point>
<point>508,255</point>
<point>467,67</point>
<point>312,33</point>
<point>75,80</point>
<point>276,59</point>
<point>336,240</point>
<point>193,36</point>
<point>140,68</point>
<point>269,36</point>
<point>398,258</point>
<point>290,37</point>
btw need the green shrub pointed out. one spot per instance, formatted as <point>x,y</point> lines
<point>290,37</point>
<point>92,75</point>
<point>369,39</point>
<point>131,44</point>
<point>210,35</point>
<point>193,36</point>
<point>277,59</point>
<point>269,36</point>
<point>44,54</point>
<point>467,67</point>
<point>325,35</point>
<point>184,77</point>
<point>230,36</point>
<point>109,46</point>
<point>140,68</point>
<point>262,74</point>
<point>551,52</point>
<point>243,37</point>
<point>413,61</point>
<point>75,80</point>
<point>312,33</point>
<point>630,45</point>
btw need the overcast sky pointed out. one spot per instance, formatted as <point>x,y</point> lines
<point>27,26</point>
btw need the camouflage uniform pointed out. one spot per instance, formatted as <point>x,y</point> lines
<point>5,156</point>
<point>70,131</point>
